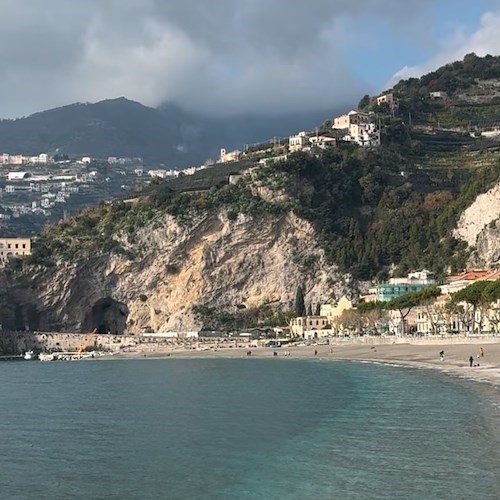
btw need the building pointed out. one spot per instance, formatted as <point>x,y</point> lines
<point>309,327</point>
<point>358,128</point>
<point>351,118</point>
<point>322,141</point>
<point>400,286</point>
<point>389,291</point>
<point>37,160</point>
<point>226,156</point>
<point>298,142</point>
<point>364,135</point>
<point>6,159</point>
<point>271,159</point>
<point>326,324</point>
<point>159,173</point>
<point>386,99</point>
<point>440,94</point>
<point>17,176</point>
<point>14,247</point>
<point>437,319</point>
<point>333,312</point>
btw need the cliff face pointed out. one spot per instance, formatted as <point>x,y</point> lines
<point>487,251</point>
<point>484,210</point>
<point>479,226</point>
<point>220,263</point>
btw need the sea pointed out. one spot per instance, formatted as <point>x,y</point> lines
<point>244,428</point>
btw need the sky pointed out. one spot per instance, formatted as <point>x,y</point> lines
<point>227,57</point>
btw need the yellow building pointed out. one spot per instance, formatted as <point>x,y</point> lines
<point>324,325</point>
<point>14,247</point>
<point>310,326</point>
<point>351,118</point>
<point>333,312</point>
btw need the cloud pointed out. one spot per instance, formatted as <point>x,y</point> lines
<point>485,40</point>
<point>214,56</point>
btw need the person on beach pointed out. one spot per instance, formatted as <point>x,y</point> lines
<point>481,351</point>
<point>471,360</point>
<point>441,355</point>
<point>315,352</point>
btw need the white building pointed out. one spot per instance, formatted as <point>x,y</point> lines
<point>322,142</point>
<point>364,135</point>
<point>158,173</point>
<point>226,156</point>
<point>298,142</point>
<point>17,176</point>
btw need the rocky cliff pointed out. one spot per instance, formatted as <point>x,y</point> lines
<point>479,226</point>
<point>487,248</point>
<point>229,264</point>
<point>484,210</point>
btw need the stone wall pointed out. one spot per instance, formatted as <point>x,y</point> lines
<point>20,342</point>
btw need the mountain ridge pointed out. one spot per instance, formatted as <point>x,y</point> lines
<point>124,128</point>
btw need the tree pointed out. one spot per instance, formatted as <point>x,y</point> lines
<point>310,310</point>
<point>479,295</point>
<point>300,306</point>
<point>351,321</point>
<point>405,303</point>
<point>317,312</point>
<point>365,101</point>
<point>492,292</point>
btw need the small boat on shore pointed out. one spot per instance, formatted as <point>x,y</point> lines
<point>29,355</point>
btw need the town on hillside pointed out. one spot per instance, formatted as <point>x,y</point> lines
<point>439,111</point>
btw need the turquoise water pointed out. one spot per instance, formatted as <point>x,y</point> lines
<point>243,428</point>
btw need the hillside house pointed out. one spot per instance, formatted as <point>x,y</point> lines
<point>351,118</point>
<point>322,141</point>
<point>17,176</point>
<point>298,142</point>
<point>440,94</point>
<point>387,99</point>
<point>227,156</point>
<point>14,247</point>
<point>364,134</point>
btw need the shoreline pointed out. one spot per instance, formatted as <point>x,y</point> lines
<point>427,356</point>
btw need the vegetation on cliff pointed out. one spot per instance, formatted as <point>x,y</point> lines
<point>469,95</point>
<point>375,210</point>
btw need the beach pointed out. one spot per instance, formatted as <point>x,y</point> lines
<point>420,354</point>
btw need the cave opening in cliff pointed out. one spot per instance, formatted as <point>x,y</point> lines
<point>107,316</point>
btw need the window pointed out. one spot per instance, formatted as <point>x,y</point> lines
<point>17,245</point>
<point>24,245</point>
<point>8,246</point>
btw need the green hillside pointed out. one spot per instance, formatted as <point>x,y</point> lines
<point>381,210</point>
<point>470,99</point>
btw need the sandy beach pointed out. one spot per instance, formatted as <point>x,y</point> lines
<point>485,368</point>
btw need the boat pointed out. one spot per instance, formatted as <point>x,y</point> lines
<point>29,355</point>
